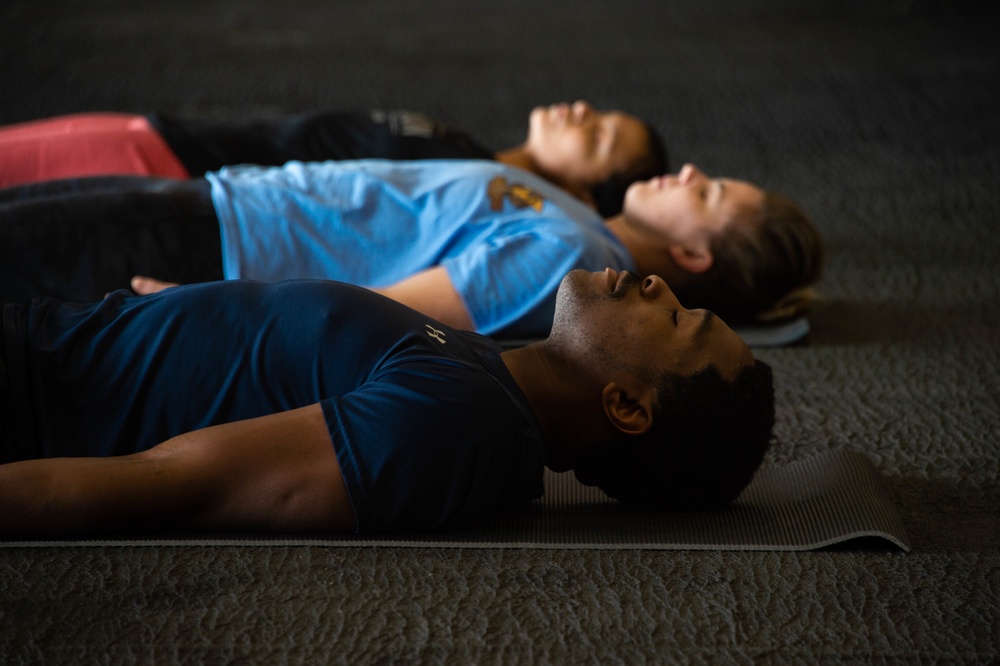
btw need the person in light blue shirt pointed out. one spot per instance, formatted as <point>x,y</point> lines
<point>475,244</point>
<point>501,237</point>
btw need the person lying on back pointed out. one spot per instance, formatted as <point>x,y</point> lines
<point>319,406</point>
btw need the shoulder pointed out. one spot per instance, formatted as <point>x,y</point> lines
<point>458,445</point>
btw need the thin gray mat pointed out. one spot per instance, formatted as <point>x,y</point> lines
<point>821,501</point>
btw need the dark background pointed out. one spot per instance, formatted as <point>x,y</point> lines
<point>882,118</point>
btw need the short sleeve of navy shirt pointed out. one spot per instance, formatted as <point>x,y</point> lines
<point>429,428</point>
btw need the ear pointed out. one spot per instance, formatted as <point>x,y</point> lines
<point>629,406</point>
<point>692,258</point>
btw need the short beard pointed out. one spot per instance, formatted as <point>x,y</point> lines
<point>570,308</point>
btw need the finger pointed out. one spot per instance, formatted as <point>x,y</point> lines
<point>146,285</point>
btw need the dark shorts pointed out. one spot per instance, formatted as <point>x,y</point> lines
<point>79,239</point>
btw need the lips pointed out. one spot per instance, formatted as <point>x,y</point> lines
<point>560,113</point>
<point>619,280</point>
<point>612,277</point>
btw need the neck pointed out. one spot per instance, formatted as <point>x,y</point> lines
<point>560,398</point>
<point>521,157</point>
<point>517,157</point>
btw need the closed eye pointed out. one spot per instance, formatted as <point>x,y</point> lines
<point>609,134</point>
<point>720,192</point>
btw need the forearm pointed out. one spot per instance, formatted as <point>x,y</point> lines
<point>70,496</point>
<point>432,293</point>
<point>276,473</point>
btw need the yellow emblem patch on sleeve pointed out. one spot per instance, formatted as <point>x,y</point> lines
<point>518,195</point>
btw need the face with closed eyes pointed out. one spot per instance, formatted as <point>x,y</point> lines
<point>690,207</point>
<point>614,319</point>
<point>577,147</point>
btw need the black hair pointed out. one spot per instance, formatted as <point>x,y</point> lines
<point>609,196</point>
<point>708,438</point>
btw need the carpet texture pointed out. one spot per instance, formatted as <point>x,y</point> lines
<point>881,118</point>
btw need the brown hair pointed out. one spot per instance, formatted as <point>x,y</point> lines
<point>762,268</point>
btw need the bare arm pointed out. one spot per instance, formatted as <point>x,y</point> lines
<point>277,473</point>
<point>432,292</point>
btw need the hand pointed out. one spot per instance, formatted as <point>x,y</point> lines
<point>147,285</point>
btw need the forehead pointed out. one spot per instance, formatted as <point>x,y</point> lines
<point>702,339</point>
<point>739,194</point>
<point>728,352</point>
<point>629,136</point>
<point>732,202</point>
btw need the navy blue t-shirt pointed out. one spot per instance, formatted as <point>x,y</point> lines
<point>429,427</point>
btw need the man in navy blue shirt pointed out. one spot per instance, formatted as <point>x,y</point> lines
<point>318,406</point>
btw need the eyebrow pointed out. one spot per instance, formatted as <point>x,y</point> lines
<point>613,133</point>
<point>720,192</point>
<point>706,324</point>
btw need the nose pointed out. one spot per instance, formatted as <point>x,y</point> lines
<point>581,110</point>
<point>656,288</point>
<point>689,173</point>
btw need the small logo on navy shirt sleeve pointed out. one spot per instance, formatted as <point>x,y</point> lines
<point>435,333</point>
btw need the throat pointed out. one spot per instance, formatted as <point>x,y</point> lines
<point>517,157</point>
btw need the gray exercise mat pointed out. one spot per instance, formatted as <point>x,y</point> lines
<point>820,501</point>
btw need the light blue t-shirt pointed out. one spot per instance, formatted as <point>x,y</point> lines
<point>505,236</point>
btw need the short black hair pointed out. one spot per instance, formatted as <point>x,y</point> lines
<point>609,196</point>
<point>708,438</point>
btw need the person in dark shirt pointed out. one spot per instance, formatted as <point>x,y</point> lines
<point>320,406</point>
<point>593,155</point>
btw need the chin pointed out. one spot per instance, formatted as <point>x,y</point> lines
<point>536,123</point>
<point>568,283</point>
<point>633,195</point>
<point>570,288</point>
<point>573,278</point>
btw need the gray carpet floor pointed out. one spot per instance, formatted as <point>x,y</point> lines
<point>882,118</point>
